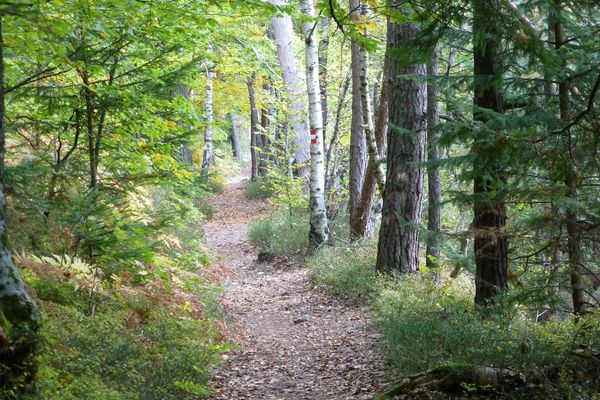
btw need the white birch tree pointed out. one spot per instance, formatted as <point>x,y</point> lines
<point>319,231</point>
<point>208,109</point>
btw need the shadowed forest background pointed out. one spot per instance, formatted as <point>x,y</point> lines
<point>432,166</point>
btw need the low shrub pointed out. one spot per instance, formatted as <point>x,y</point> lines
<point>280,233</point>
<point>346,270</point>
<point>257,190</point>
<point>426,324</point>
<point>157,341</point>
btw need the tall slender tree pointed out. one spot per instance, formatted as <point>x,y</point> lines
<point>434,183</point>
<point>208,154</point>
<point>488,183</point>
<point>295,92</point>
<point>319,231</point>
<point>358,142</point>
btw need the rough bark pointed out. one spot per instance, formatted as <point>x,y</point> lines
<point>576,265</point>
<point>19,315</point>
<point>208,154</point>
<point>489,210</point>
<point>358,141</point>
<point>235,138</point>
<point>319,231</point>
<point>253,130</point>
<point>295,93</point>
<point>323,27</point>
<point>434,183</point>
<point>398,247</point>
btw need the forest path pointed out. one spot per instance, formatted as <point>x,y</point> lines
<point>292,342</point>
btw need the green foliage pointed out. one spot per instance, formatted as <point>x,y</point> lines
<point>259,189</point>
<point>346,270</point>
<point>152,342</point>
<point>280,233</point>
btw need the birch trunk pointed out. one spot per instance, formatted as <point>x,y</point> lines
<point>208,155</point>
<point>365,226</point>
<point>295,93</point>
<point>367,115</point>
<point>398,247</point>
<point>319,231</point>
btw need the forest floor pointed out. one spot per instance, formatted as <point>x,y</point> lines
<point>291,341</point>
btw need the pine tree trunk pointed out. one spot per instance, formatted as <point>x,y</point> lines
<point>434,184</point>
<point>235,138</point>
<point>576,272</point>
<point>19,315</point>
<point>358,141</point>
<point>253,130</point>
<point>319,231</point>
<point>295,93</point>
<point>398,247</point>
<point>489,210</point>
<point>208,155</point>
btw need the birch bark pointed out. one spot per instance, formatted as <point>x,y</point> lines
<point>208,154</point>
<point>319,232</point>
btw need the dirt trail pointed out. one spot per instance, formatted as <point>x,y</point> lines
<point>292,342</point>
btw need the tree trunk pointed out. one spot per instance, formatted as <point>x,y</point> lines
<point>295,93</point>
<point>19,315</point>
<point>375,175</point>
<point>489,210</point>
<point>434,184</point>
<point>398,247</point>
<point>365,226</point>
<point>253,130</point>
<point>333,143</point>
<point>358,141</point>
<point>235,138</point>
<point>208,155</point>
<point>323,57</point>
<point>576,272</point>
<point>263,137</point>
<point>319,231</point>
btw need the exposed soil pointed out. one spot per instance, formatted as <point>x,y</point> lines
<point>291,341</point>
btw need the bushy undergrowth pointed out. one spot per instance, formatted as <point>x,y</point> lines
<point>345,270</point>
<point>258,190</point>
<point>280,233</point>
<point>155,341</point>
<point>426,324</point>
